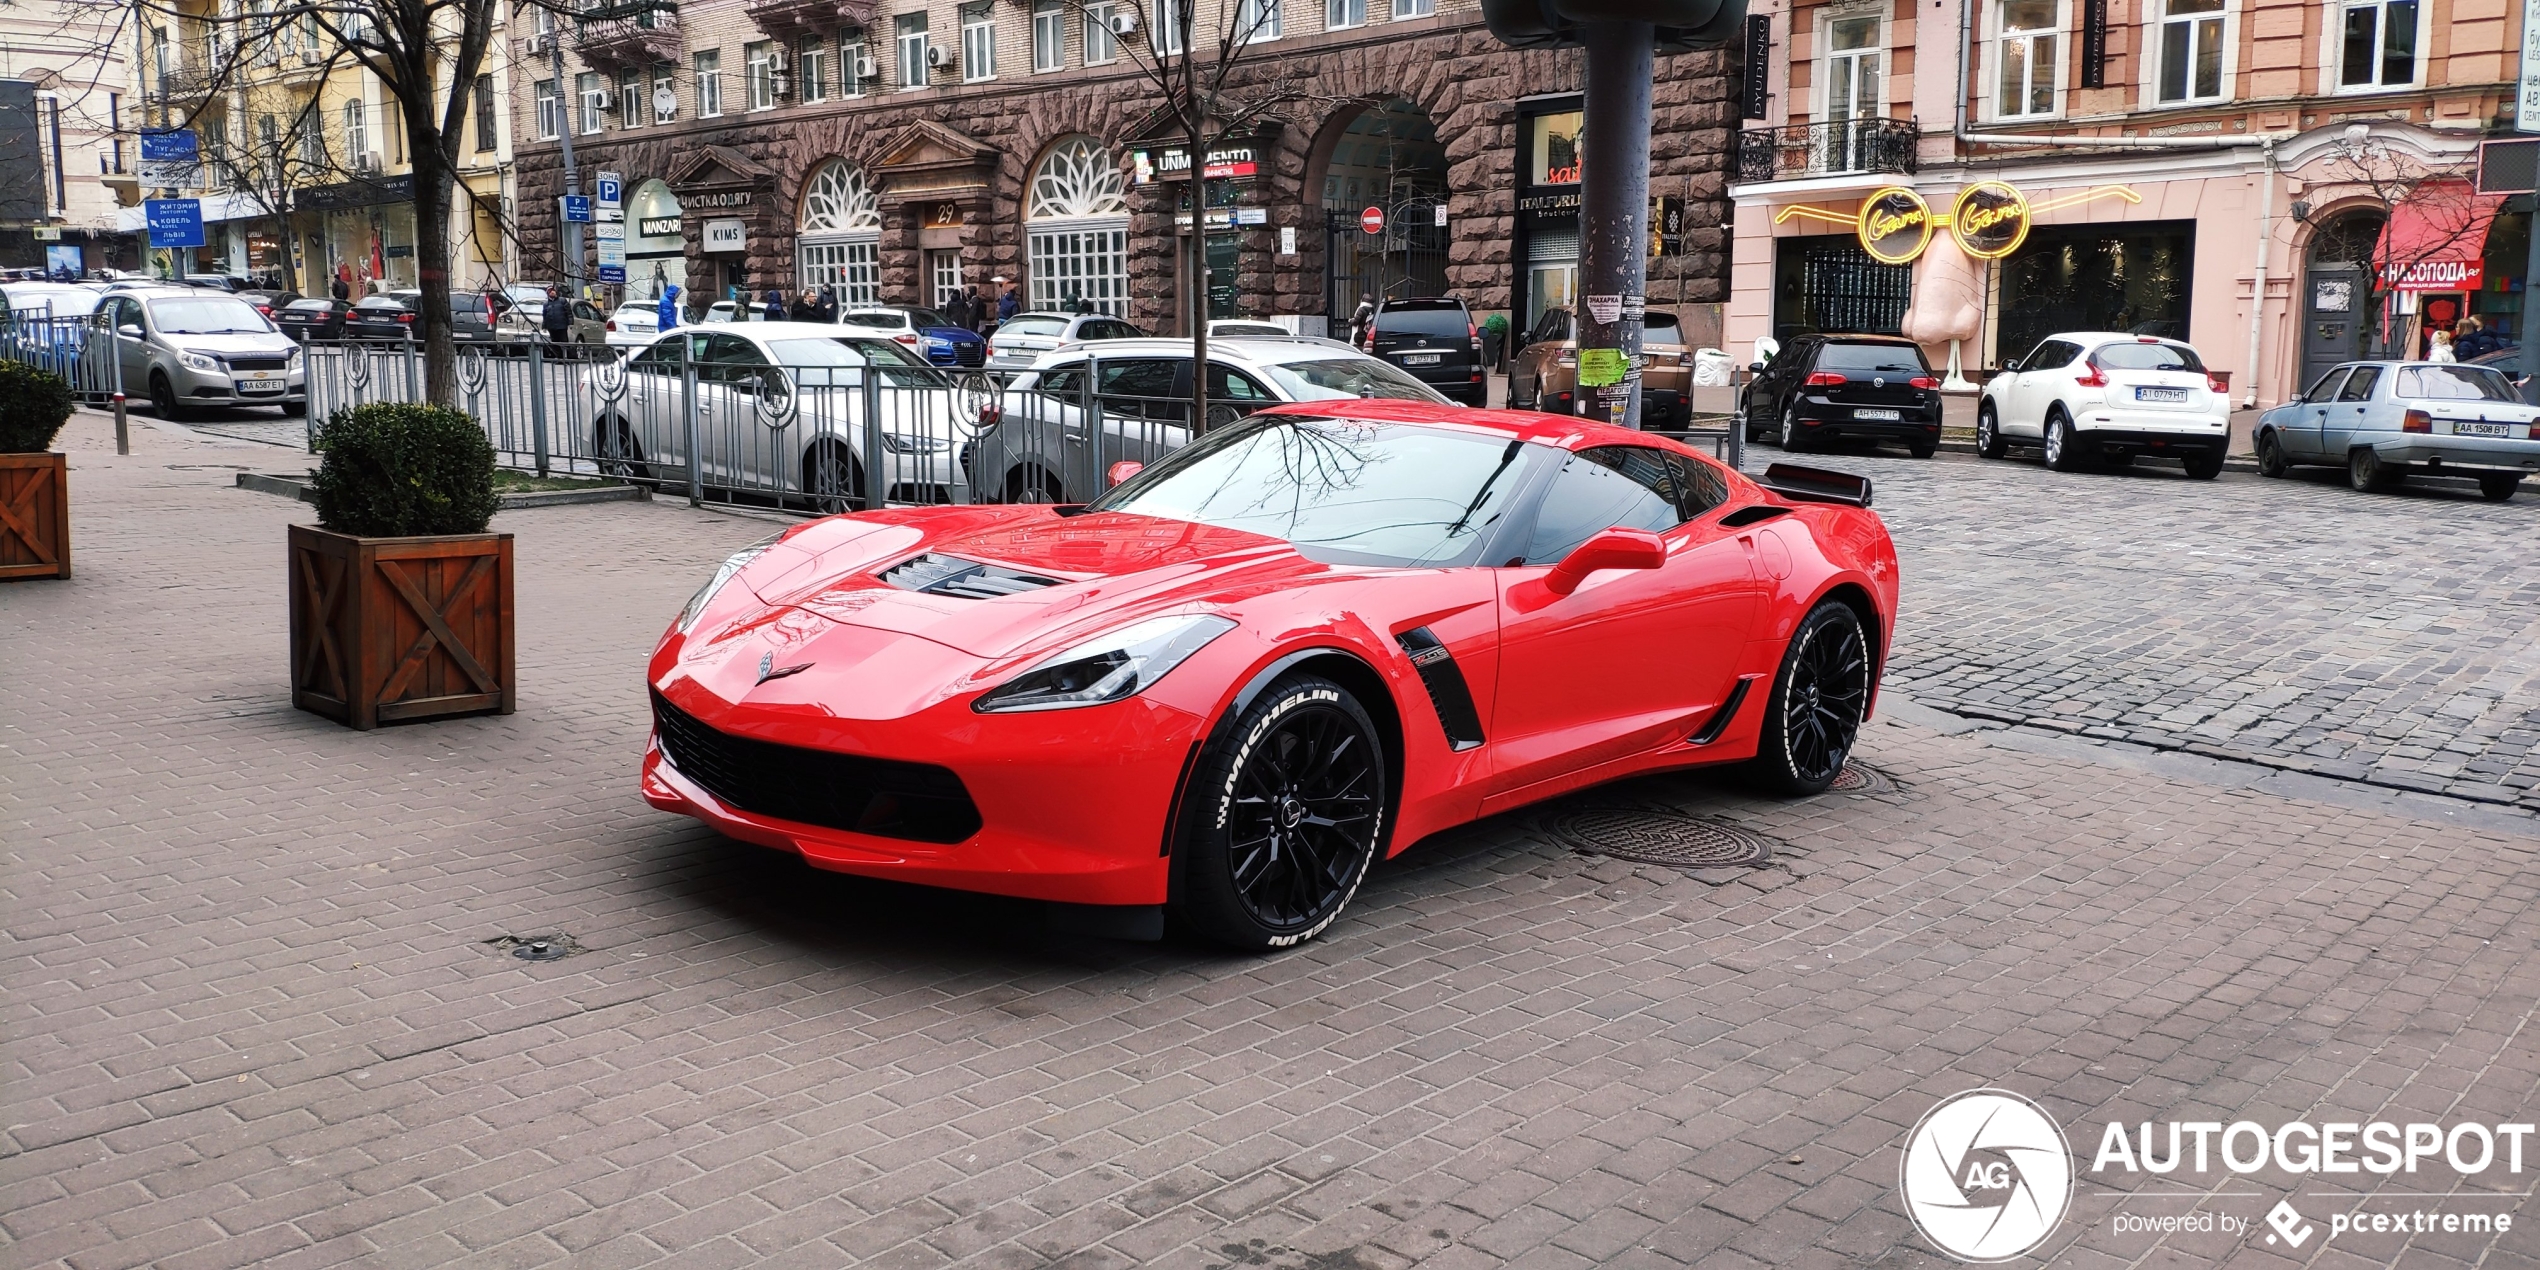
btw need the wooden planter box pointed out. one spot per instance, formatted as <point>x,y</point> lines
<point>385,630</point>
<point>35,516</point>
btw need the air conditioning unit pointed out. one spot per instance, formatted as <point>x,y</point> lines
<point>310,56</point>
<point>539,44</point>
<point>935,58</point>
<point>1124,22</point>
<point>776,61</point>
<point>366,163</point>
<point>863,68</point>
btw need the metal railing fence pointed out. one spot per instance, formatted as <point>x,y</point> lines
<point>79,349</point>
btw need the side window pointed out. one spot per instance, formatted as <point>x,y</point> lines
<point>2326,388</point>
<point>660,359</point>
<point>729,359</point>
<point>2359,385</point>
<point>1699,486</point>
<point>1225,384</point>
<point>1143,387</point>
<point>2051,355</point>
<point>1599,489</point>
<point>1063,381</point>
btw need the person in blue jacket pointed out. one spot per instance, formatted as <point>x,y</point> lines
<point>669,315</point>
<point>775,305</point>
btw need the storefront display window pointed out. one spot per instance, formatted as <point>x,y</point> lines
<point>2096,278</point>
<point>1829,283</point>
<point>1555,149</point>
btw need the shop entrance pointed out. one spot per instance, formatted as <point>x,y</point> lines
<point>2097,278</point>
<point>1223,253</point>
<point>2337,318</point>
<point>1827,283</point>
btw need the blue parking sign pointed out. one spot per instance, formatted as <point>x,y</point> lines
<point>175,222</point>
<point>577,207</point>
<point>608,191</point>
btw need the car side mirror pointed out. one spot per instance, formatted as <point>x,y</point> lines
<point>1755,368</point>
<point>2011,366</point>
<point>2294,400</point>
<point>132,329</point>
<point>1616,548</point>
<point>1122,471</point>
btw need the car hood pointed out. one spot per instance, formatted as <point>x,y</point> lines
<point>260,342</point>
<point>1103,570</point>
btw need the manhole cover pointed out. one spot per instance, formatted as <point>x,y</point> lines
<point>1657,837</point>
<point>1858,777</point>
<point>537,947</point>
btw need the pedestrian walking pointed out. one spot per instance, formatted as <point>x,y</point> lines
<point>557,318</point>
<point>1361,317</point>
<point>828,305</point>
<point>1009,304</point>
<point>342,289</point>
<point>2439,346</point>
<point>668,315</point>
<point>2472,340</point>
<point>957,308</point>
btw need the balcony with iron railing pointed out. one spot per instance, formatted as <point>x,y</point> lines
<point>1838,148</point>
<point>626,33</point>
<point>785,19</point>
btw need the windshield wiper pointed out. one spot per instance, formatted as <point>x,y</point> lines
<point>1506,457</point>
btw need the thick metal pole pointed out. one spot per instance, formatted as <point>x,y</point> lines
<point>572,107</point>
<point>2523,329</point>
<point>1614,217</point>
<point>537,405</point>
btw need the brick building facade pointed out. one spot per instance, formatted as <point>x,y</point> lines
<point>979,165</point>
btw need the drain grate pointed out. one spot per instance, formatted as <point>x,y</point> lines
<point>537,947</point>
<point>1657,837</point>
<point>1858,777</point>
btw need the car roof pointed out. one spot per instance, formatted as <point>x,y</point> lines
<point>1421,302</point>
<point>1558,431</point>
<point>2115,337</point>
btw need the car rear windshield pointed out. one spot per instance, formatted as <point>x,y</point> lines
<point>1032,326</point>
<point>1424,319</point>
<point>878,321</point>
<point>1870,358</point>
<point>1342,491</point>
<point>308,306</point>
<point>2147,356</point>
<point>208,315</point>
<point>1337,377</point>
<point>2455,383</point>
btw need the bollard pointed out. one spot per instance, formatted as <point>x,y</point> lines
<point>123,432</point>
<point>538,408</point>
<point>876,481</point>
<point>1737,426</point>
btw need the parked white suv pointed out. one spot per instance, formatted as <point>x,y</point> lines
<point>2105,396</point>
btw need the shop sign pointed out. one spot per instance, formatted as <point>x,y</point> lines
<point>726,235</point>
<point>1990,219</point>
<point>658,227</point>
<point>1224,162</point>
<point>48,233</point>
<point>1894,225</point>
<point>722,198</point>
<point>1549,202</point>
<point>2527,99</point>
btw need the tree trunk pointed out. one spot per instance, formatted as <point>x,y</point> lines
<point>1191,131</point>
<point>432,182</point>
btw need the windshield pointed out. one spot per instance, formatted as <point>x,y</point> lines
<point>1348,377</point>
<point>2141,356</point>
<point>1032,326</point>
<point>2456,383</point>
<point>1871,358</point>
<point>1342,491</point>
<point>208,315</point>
<point>877,321</point>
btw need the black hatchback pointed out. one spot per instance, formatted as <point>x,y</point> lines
<point>1435,342</point>
<point>1828,387</point>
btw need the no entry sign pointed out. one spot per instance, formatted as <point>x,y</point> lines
<point>1372,220</point>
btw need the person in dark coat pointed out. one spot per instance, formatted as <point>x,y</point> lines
<point>2472,339</point>
<point>828,305</point>
<point>957,308</point>
<point>775,309</point>
<point>343,290</point>
<point>557,317</point>
<point>1009,304</point>
<point>805,309</point>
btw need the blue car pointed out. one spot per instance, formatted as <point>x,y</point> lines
<point>2383,421</point>
<point>921,331</point>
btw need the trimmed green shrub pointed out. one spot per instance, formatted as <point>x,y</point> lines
<point>34,404</point>
<point>1495,324</point>
<point>399,470</point>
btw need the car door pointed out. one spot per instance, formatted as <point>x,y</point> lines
<point>1764,404</point>
<point>732,439</point>
<point>1634,659</point>
<point>2349,417</point>
<point>656,399</point>
<point>2036,386</point>
<point>2301,436</point>
<point>132,344</point>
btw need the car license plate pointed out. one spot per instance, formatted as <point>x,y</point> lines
<point>2479,429</point>
<point>260,377</point>
<point>1421,359</point>
<point>1881,416</point>
<point>2160,394</point>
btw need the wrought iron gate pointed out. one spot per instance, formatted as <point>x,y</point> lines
<point>1407,260</point>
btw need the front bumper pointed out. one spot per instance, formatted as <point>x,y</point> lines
<point>2446,453</point>
<point>235,389</point>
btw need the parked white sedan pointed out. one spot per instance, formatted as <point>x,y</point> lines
<point>1020,340</point>
<point>780,410</point>
<point>2105,396</point>
<point>634,325</point>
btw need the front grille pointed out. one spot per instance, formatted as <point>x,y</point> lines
<point>973,354</point>
<point>918,802</point>
<point>965,579</point>
<point>257,363</point>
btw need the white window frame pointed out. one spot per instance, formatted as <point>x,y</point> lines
<point>631,106</point>
<point>1261,18</point>
<point>1821,93</point>
<point>850,53</point>
<point>665,75</point>
<point>591,98</point>
<point>1049,36</point>
<point>1998,39</point>
<point>913,44</point>
<point>1341,15</point>
<point>978,42</point>
<point>549,98</point>
<point>844,254</point>
<point>758,73</point>
<point>943,276</point>
<point>1414,9</point>
<point>811,68</point>
<point>356,132</point>
<point>709,72</point>
<point>1165,35</point>
<point>2333,51</point>
<point>2156,28</point>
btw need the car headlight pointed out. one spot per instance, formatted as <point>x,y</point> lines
<point>903,443</point>
<point>723,573</point>
<point>291,360</point>
<point>1120,664</point>
<point>198,361</point>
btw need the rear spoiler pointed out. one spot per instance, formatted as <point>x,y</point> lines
<point>1816,485</point>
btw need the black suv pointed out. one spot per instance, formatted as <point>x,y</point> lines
<point>1435,342</point>
<point>1825,387</point>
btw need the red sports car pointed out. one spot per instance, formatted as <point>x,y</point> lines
<point>1223,688</point>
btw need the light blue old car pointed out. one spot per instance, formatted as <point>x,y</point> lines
<point>2382,421</point>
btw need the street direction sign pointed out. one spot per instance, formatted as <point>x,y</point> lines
<point>613,273</point>
<point>577,208</point>
<point>175,222</point>
<point>170,145</point>
<point>1372,220</point>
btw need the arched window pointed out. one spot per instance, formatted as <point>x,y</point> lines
<point>839,234</point>
<point>1077,214</point>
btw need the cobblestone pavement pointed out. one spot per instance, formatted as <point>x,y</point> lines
<point>249,1013</point>
<point>2387,638</point>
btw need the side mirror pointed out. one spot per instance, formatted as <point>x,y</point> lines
<point>1611,549</point>
<point>2294,400</point>
<point>1755,368</point>
<point>132,329</point>
<point>1121,471</point>
<point>2011,367</point>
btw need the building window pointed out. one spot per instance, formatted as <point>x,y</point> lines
<point>1338,14</point>
<point>2191,50</point>
<point>839,235</point>
<point>1852,70</point>
<point>1076,216</point>
<point>1256,20</point>
<point>1414,8</point>
<point>853,67</point>
<point>913,49</point>
<point>665,93</point>
<point>313,136</point>
<point>978,43</point>
<point>550,110</point>
<point>2024,59</point>
<point>1049,35</point>
<point>484,106</point>
<point>759,74</point>
<point>630,99</point>
<point>1101,46</point>
<point>592,93</point>
<point>811,68</point>
<point>2378,44</point>
<point>1166,35</point>
<point>709,84</point>
<point>356,136</point>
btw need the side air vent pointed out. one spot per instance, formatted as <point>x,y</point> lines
<point>1745,516</point>
<point>1448,693</point>
<point>966,579</point>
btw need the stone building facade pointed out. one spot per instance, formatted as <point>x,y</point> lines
<point>785,171</point>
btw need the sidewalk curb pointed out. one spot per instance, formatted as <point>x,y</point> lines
<point>2231,463</point>
<point>294,487</point>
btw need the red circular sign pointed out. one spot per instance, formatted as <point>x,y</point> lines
<point>1372,220</point>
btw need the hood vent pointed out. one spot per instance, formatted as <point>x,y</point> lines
<point>965,579</point>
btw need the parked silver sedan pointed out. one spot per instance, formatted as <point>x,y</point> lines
<point>1022,339</point>
<point>2383,421</point>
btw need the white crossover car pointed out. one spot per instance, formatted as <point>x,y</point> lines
<point>2108,397</point>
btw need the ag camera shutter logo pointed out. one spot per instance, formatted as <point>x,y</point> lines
<point>1987,1175</point>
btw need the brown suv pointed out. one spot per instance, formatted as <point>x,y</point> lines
<point>1545,373</point>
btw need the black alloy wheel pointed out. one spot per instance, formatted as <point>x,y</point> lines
<point>618,454</point>
<point>1032,483</point>
<point>1819,699</point>
<point>163,400</point>
<point>2204,465</point>
<point>2271,462</point>
<point>1989,442</point>
<point>1284,814</point>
